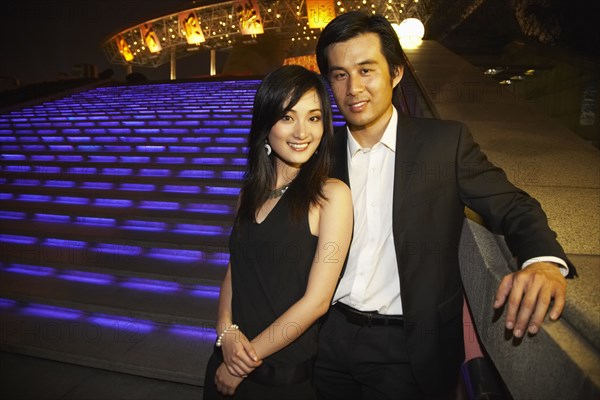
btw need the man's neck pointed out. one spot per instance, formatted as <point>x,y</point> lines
<point>369,136</point>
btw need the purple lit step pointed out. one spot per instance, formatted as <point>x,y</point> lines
<point>233,175</point>
<point>34,197</point>
<point>13,157</point>
<point>117,323</point>
<point>151,285</point>
<point>200,174</point>
<point>26,182</point>
<point>97,185</point>
<point>122,249</point>
<point>63,184</point>
<point>65,243</point>
<point>208,161</point>
<point>205,291</point>
<point>185,149</point>
<point>170,160</point>
<point>176,254</point>
<point>87,277</point>
<point>122,323</point>
<point>71,200</point>
<point>181,189</point>
<point>221,149</point>
<point>205,230</point>
<point>137,187</point>
<point>201,333</point>
<point>153,226</point>
<point>51,218</point>
<point>95,221</point>
<point>33,270</point>
<point>12,215</point>
<point>102,159</point>
<point>159,205</point>
<point>18,239</point>
<point>45,311</point>
<point>117,171</point>
<point>104,279</point>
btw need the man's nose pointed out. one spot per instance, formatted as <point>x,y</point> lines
<point>355,85</point>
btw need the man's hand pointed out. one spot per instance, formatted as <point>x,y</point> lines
<point>529,292</point>
<point>225,382</point>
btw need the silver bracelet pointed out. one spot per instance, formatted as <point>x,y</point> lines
<point>232,327</point>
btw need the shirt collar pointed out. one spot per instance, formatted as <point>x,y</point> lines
<point>388,139</point>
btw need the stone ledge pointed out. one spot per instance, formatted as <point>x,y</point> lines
<point>563,359</point>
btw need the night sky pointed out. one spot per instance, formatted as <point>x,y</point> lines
<point>44,38</point>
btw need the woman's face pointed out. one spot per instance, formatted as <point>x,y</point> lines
<point>295,137</point>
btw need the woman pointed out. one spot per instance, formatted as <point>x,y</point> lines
<point>287,247</point>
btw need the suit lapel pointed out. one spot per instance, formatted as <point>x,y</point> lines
<point>340,163</point>
<point>408,147</point>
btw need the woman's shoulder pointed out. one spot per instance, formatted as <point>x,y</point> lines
<point>336,190</point>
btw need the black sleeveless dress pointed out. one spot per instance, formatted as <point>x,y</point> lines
<point>270,264</point>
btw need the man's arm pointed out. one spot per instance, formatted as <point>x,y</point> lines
<point>510,211</point>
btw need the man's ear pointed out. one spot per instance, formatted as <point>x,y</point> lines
<point>399,71</point>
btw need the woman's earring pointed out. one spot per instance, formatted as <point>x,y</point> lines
<point>268,148</point>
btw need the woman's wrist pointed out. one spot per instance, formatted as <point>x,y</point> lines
<point>222,325</point>
<point>231,328</point>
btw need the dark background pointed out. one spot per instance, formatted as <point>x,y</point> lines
<point>44,39</point>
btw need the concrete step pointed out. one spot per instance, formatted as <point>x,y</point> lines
<point>40,192</point>
<point>170,352</point>
<point>142,233</point>
<point>176,265</point>
<point>24,377</point>
<point>172,212</point>
<point>158,301</point>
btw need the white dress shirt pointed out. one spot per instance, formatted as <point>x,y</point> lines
<point>371,281</point>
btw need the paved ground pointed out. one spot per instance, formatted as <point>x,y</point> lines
<point>24,377</point>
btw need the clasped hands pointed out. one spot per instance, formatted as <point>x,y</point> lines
<point>239,359</point>
<point>529,293</point>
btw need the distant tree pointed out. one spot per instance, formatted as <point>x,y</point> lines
<point>136,77</point>
<point>106,74</point>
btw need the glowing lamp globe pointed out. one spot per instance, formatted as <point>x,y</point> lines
<point>410,32</point>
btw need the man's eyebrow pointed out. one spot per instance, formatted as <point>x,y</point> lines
<point>359,64</point>
<point>367,62</point>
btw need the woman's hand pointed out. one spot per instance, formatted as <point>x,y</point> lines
<point>225,382</point>
<point>238,354</point>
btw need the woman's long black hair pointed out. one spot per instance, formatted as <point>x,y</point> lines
<point>284,87</point>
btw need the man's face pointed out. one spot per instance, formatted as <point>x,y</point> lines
<point>361,82</point>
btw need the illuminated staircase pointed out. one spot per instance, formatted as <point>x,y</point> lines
<point>116,205</point>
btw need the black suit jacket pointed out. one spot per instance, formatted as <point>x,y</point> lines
<point>439,170</point>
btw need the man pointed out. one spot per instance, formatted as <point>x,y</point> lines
<point>395,329</point>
